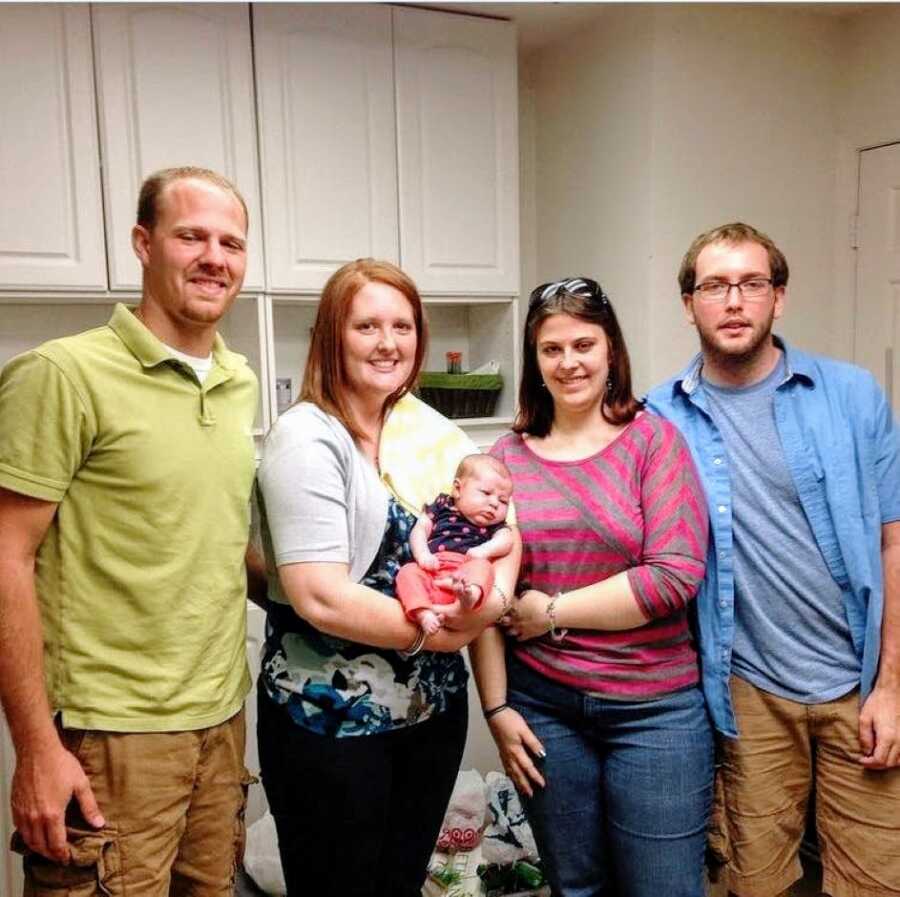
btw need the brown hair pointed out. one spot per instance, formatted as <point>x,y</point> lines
<point>619,406</point>
<point>735,233</point>
<point>325,379</point>
<point>156,183</point>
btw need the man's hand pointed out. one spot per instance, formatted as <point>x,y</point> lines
<point>879,729</point>
<point>43,784</point>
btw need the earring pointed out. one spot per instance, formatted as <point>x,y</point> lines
<point>609,385</point>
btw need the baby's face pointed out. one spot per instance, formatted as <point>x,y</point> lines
<point>482,495</point>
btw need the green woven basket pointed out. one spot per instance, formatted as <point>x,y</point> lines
<point>460,395</point>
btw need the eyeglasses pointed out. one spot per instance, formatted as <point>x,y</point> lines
<point>756,289</point>
<point>583,287</point>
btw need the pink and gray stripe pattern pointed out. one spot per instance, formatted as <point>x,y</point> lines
<point>637,505</point>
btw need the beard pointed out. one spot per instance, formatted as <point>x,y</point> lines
<point>736,356</point>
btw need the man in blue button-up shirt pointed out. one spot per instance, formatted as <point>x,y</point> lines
<point>799,614</point>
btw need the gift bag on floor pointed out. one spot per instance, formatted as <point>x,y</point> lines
<point>465,817</point>
<point>261,859</point>
<point>508,836</point>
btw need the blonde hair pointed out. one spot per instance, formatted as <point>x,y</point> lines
<point>470,462</point>
<point>155,184</point>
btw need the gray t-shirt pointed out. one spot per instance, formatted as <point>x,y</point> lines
<point>791,632</point>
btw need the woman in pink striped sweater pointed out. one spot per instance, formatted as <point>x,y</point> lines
<point>594,700</point>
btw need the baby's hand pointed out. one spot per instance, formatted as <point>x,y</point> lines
<point>427,561</point>
<point>477,551</point>
<point>429,621</point>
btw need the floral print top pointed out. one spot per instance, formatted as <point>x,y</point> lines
<point>341,688</point>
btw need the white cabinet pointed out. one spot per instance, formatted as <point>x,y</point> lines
<point>327,140</point>
<point>382,131</point>
<point>457,150</point>
<point>339,161</point>
<point>175,85</point>
<point>51,229</point>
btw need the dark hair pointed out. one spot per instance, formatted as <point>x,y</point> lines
<point>619,406</point>
<point>325,378</point>
<point>734,233</point>
<point>156,183</point>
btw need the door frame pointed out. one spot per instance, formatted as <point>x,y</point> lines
<point>843,300</point>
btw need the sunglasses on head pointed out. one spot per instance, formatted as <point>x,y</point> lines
<point>582,287</point>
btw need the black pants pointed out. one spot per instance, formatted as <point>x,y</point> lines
<point>358,816</point>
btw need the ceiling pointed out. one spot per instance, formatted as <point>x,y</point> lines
<point>541,23</point>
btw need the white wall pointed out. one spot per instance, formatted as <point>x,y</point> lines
<point>593,206</point>
<point>743,113</point>
<point>659,122</point>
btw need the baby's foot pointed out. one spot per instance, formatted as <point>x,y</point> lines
<point>471,596</point>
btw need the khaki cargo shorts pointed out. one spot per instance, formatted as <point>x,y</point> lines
<point>764,781</point>
<point>174,808</point>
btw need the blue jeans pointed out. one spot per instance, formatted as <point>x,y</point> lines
<point>629,789</point>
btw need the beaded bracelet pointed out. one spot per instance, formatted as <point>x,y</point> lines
<point>556,634</point>
<point>417,644</point>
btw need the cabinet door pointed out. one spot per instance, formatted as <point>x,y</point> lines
<point>176,88</point>
<point>51,230</point>
<point>457,147</point>
<point>327,140</point>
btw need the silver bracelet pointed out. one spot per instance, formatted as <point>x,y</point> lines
<point>507,601</point>
<point>556,634</point>
<point>417,644</point>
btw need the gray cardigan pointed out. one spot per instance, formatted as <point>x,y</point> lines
<point>321,498</point>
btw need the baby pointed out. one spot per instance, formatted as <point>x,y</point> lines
<point>455,540</point>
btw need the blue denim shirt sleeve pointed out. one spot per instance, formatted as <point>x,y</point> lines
<point>886,440</point>
<point>841,445</point>
<point>679,401</point>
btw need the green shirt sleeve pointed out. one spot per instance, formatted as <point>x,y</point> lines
<point>45,427</point>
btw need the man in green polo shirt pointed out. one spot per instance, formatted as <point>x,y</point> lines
<point>126,464</point>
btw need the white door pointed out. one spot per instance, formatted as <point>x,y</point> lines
<point>327,143</point>
<point>51,229</point>
<point>877,329</point>
<point>457,150</point>
<point>175,85</point>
